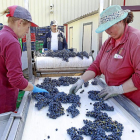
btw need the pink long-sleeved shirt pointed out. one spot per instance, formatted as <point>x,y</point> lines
<point>117,71</point>
<point>11,76</point>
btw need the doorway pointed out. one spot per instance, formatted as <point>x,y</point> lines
<point>87,37</point>
<point>71,37</point>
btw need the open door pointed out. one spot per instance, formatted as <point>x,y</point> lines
<point>87,37</point>
<point>71,37</point>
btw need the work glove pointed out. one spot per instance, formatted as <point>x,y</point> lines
<point>36,89</point>
<point>110,91</point>
<point>76,86</point>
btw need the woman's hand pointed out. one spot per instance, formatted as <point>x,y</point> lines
<point>76,86</point>
<point>111,91</point>
<point>36,89</point>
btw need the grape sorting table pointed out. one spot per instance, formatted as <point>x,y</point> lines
<point>35,125</point>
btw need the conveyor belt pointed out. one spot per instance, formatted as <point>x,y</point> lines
<point>38,126</point>
<point>49,64</point>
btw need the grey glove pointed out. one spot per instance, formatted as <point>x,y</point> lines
<point>76,86</point>
<point>111,91</point>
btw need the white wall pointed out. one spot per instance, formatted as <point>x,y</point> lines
<point>6,3</point>
<point>78,33</point>
<point>136,21</point>
<point>63,11</point>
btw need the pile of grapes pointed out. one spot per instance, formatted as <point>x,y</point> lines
<point>54,98</point>
<point>95,129</point>
<point>73,111</point>
<point>103,123</point>
<point>64,54</point>
<point>93,95</point>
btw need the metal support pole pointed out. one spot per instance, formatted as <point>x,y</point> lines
<point>100,34</point>
<point>28,44</point>
<point>110,2</point>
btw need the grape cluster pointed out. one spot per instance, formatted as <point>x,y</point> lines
<point>102,106</point>
<point>66,81</point>
<point>51,89</point>
<point>64,54</point>
<point>86,84</point>
<point>73,111</point>
<point>97,114</point>
<point>70,98</point>
<point>106,123</point>
<point>93,95</point>
<point>60,97</point>
<point>92,129</point>
<point>73,132</point>
<point>51,84</point>
<point>103,123</point>
<point>81,54</point>
<point>96,129</point>
<point>94,82</point>
<point>42,100</point>
<point>55,109</point>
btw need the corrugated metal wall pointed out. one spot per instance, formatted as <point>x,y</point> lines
<point>132,2</point>
<point>63,10</point>
<point>4,4</point>
<point>67,10</point>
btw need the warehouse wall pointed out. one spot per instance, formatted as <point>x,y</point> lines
<point>63,10</point>
<point>4,4</point>
<point>132,2</point>
<point>78,32</point>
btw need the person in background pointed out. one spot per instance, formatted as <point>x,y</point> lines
<point>11,76</point>
<point>55,39</point>
<point>118,58</point>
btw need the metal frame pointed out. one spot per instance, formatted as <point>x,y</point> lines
<point>88,23</point>
<point>126,103</point>
<point>132,8</point>
<point>20,119</point>
<point>69,36</point>
<point>59,70</point>
<point>100,34</point>
<point>7,120</point>
<point>28,43</point>
<point>55,71</point>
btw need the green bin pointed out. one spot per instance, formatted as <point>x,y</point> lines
<point>19,99</point>
<point>20,41</point>
<point>39,46</point>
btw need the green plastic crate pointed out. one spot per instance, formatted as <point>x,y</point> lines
<point>20,41</point>
<point>19,99</point>
<point>39,46</point>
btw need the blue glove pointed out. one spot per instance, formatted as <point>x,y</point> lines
<point>36,89</point>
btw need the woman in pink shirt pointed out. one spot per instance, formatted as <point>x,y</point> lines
<point>11,76</point>
<point>119,56</point>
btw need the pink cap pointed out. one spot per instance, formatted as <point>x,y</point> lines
<point>20,12</point>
